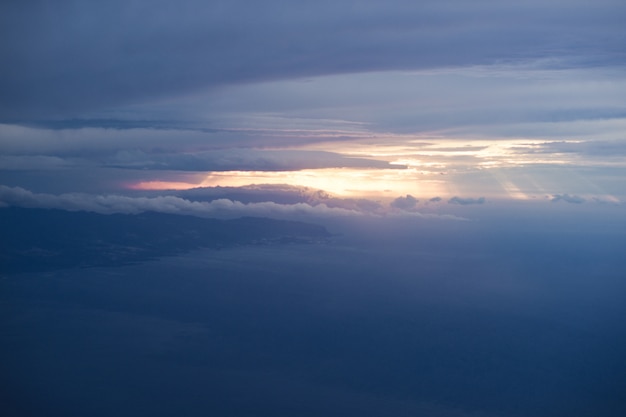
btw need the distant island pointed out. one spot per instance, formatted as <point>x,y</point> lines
<point>40,239</point>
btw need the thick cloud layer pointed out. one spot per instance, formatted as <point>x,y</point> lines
<point>72,57</point>
<point>101,96</point>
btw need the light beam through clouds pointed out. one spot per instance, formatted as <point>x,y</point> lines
<point>430,167</point>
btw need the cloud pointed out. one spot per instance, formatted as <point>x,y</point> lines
<point>283,194</point>
<point>607,200</point>
<point>84,56</point>
<point>405,203</point>
<point>466,201</point>
<point>256,193</point>
<point>320,205</point>
<point>599,148</point>
<point>435,199</point>
<point>130,87</point>
<point>109,204</point>
<point>178,148</point>
<point>574,199</point>
<point>238,159</point>
<point>33,162</point>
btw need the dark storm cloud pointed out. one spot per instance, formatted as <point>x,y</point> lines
<point>466,201</point>
<point>68,58</point>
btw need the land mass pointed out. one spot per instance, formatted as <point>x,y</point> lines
<point>41,239</point>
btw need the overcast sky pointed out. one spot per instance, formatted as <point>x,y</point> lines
<point>467,157</point>
<point>492,99</point>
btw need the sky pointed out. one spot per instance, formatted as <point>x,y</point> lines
<point>495,100</point>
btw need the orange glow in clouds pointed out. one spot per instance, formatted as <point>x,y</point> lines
<point>427,168</point>
<point>346,182</point>
<point>161,185</point>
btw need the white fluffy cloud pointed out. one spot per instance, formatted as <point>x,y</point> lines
<point>108,204</point>
<point>218,208</point>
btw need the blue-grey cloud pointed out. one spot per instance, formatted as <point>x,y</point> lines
<point>140,144</point>
<point>599,148</point>
<point>278,193</point>
<point>466,201</point>
<point>242,160</point>
<point>405,203</point>
<point>574,199</point>
<point>33,162</point>
<point>76,57</point>
<point>281,194</point>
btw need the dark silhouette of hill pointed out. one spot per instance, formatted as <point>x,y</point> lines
<point>41,239</point>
